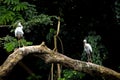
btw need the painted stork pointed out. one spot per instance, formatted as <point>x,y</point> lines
<point>88,50</point>
<point>19,32</point>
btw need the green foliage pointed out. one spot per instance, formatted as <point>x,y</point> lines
<point>117,11</point>
<point>26,43</point>
<point>72,75</point>
<point>8,2</point>
<point>99,51</point>
<point>10,46</point>
<point>10,43</point>
<point>16,11</point>
<point>40,19</point>
<point>30,12</point>
<point>22,6</point>
<point>34,77</point>
<point>50,35</point>
<point>6,15</point>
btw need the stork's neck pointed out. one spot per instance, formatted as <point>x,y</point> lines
<point>21,27</point>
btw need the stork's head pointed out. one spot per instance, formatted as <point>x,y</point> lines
<point>84,41</point>
<point>20,25</point>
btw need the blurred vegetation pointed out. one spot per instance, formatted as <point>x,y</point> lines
<point>69,74</point>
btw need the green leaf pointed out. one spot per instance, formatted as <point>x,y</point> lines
<point>40,19</point>
<point>6,17</point>
<point>69,74</point>
<point>21,6</point>
<point>9,46</point>
<point>8,2</point>
<point>10,43</point>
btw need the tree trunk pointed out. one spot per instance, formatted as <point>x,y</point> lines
<point>49,56</point>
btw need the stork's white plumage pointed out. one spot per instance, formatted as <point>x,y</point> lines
<point>87,49</point>
<point>18,31</point>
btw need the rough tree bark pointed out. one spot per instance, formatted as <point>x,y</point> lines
<point>49,56</point>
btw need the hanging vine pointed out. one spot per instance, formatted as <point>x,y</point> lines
<point>55,50</point>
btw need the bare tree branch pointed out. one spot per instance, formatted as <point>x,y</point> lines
<point>4,26</point>
<point>49,56</point>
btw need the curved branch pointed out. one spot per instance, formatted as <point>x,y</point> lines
<point>49,56</point>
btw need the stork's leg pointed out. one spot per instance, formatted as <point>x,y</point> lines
<point>89,58</point>
<point>18,43</point>
<point>22,43</point>
<point>18,37</point>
